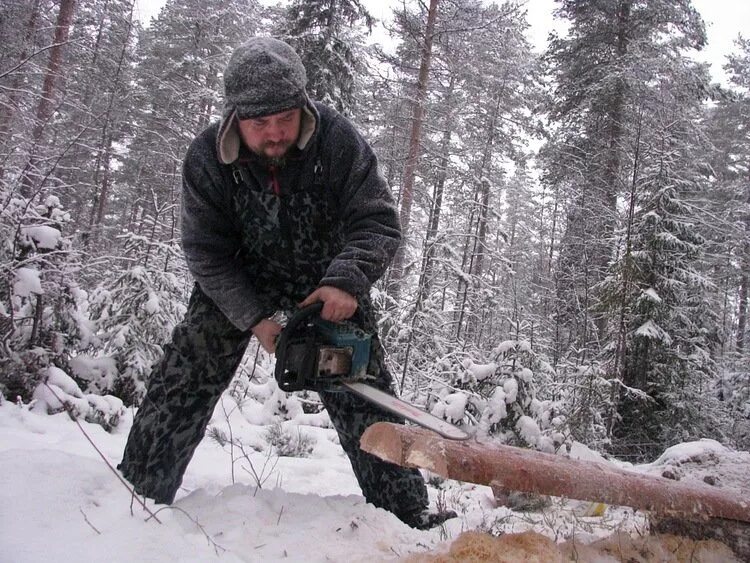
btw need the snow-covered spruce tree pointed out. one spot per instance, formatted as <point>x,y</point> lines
<point>730,245</point>
<point>661,349</point>
<point>630,158</point>
<point>502,398</point>
<point>43,317</point>
<point>134,315</point>
<point>612,49</point>
<point>329,37</point>
<point>738,67</point>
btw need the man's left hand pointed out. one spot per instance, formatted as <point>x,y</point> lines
<point>338,305</point>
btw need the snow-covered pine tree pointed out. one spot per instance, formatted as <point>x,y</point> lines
<point>178,92</point>
<point>612,47</point>
<point>99,66</point>
<point>662,350</point>
<point>478,51</point>
<point>329,37</point>
<point>729,260</point>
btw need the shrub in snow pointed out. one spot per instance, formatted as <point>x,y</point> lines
<point>43,313</point>
<point>451,407</point>
<point>280,405</point>
<point>501,397</point>
<point>61,393</point>
<point>134,314</point>
<point>289,442</point>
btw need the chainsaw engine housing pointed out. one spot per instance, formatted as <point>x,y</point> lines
<point>316,355</point>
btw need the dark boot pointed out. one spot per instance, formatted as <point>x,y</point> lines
<point>426,519</point>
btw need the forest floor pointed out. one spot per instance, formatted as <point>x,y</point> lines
<point>60,502</point>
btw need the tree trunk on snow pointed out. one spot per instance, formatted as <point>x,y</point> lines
<point>511,468</point>
<point>412,158</point>
<point>46,107</point>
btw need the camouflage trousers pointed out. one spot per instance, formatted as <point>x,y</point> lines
<point>184,387</point>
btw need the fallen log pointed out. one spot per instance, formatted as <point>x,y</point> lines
<point>517,469</point>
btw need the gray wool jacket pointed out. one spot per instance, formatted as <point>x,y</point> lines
<point>258,240</point>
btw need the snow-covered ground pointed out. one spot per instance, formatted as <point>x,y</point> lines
<point>60,502</point>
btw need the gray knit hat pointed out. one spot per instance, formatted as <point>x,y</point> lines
<point>264,76</point>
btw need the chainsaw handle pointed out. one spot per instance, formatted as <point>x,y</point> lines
<point>302,314</point>
<point>300,317</point>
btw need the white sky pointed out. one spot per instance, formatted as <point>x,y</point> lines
<point>724,20</point>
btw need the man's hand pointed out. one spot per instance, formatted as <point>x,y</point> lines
<point>266,332</point>
<point>338,305</point>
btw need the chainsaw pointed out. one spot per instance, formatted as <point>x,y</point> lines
<point>318,355</point>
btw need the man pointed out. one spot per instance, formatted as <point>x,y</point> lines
<point>283,206</point>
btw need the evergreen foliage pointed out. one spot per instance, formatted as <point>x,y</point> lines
<point>329,37</point>
<point>597,290</point>
<point>134,315</point>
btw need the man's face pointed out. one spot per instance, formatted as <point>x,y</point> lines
<point>271,136</point>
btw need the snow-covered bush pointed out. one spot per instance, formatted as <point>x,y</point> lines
<point>59,392</point>
<point>289,442</point>
<point>500,397</point>
<point>43,312</point>
<point>585,396</point>
<point>134,315</point>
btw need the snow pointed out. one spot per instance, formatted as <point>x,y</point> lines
<point>504,347</point>
<point>60,501</point>
<point>690,450</point>
<point>496,407</point>
<point>525,374</point>
<point>529,430</point>
<point>652,295</point>
<point>479,372</point>
<point>99,372</point>
<point>27,282</point>
<point>44,236</point>
<point>650,329</point>
<point>510,386</point>
<point>152,305</point>
<point>452,407</point>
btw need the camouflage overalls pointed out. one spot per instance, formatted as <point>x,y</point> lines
<point>295,235</point>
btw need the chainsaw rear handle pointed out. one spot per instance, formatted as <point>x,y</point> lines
<point>292,381</point>
<point>299,317</point>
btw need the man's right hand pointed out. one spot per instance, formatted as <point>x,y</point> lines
<point>266,332</point>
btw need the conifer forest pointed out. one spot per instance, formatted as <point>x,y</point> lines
<point>576,255</point>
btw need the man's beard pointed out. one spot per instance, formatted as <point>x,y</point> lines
<point>276,161</point>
